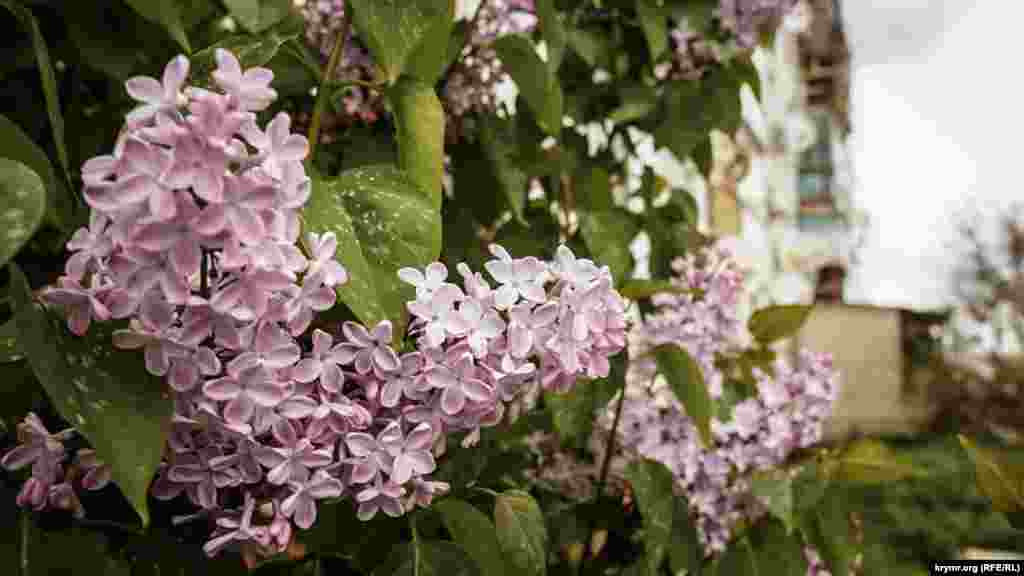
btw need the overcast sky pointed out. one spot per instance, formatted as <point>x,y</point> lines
<point>936,89</point>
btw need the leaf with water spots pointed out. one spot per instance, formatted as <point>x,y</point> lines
<point>105,393</point>
<point>401,33</point>
<point>383,222</point>
<point>652,485</point>
<point>22,205</point>
<point>9,350</point>
<point>419,127</point>
<point>521,532</point>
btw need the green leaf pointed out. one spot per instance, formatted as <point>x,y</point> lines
<point>775,489</point>
<point>429,60</point>
<point>871,461</point>
<point>685,551</point>
<point>572,413</point>
<point>473,532</point>
<point>521,532</point>
<point>694,108</point>
<point>16,145</point>
<point>827,528</point>
<point>22,205</point>
<point>432,558</point>
<point>48,79</point>
<point>608,234</point>
<point>105,393</point>
<point>499,148</point>
<point>553,32</point>
<point>685,378</point>
<point>419,119</point>
<point>652,486</point>
<point>166,14</point>
<point>637,101</point>
<point>537,84</point>
<point>1000,474</point>
<point>88,26</point>
<point>591,46</point>
<point>9,350</point>
<point>643,289</point>
<point>594,191</point>
<point>384,221</point>
<point>739,559</point>
<point>775,323</point>
<point>258,15</point>
<point>779,551</point>
<point>654,22</point>
<point>395,29</point>
<point>251,51</point>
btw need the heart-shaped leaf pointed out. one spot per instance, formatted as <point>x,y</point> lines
<point>383,222</point>
<point>521,532</point>
<point>395,29</point>
<point>107,394</point>
<point>22,205</point>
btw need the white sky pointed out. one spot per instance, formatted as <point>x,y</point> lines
<point>935,93</point>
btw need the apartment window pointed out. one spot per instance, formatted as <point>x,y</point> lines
<point>817,207</point>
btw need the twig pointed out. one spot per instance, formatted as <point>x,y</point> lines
<point>322,94</point>
<point>602,479</point>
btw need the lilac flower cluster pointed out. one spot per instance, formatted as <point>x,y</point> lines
<point>51,484</point>
<point>747,18</point>
<point>787,413</point>
<point>477,82</point>
<point>193,238</point>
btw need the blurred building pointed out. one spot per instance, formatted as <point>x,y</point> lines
<point>781,190</point>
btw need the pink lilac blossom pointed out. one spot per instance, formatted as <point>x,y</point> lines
<point>787,413</point>
<point>263,413</point>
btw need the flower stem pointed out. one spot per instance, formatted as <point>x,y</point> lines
<point>602,479</point>
<point>204,275</point>
<point>26,527</point>
<point>324,90</point>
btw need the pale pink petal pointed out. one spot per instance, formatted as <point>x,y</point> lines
<point>222,389</point>
<point>144,89</point>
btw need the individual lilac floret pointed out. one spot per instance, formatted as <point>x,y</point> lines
<point>158,96</point>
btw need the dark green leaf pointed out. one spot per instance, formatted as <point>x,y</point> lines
<point>105,393</point>
<point>1000,474</point>
<point>687,382</point>
<point>16,145</point>
<point>775,323</point>
<point>258,15</point>
<point>594,192</point>
<point>643,289</point>
<point>384,221</point>
<point>591,46</point>
<point>48,79</point>
<point>608,234</point>
<point>394,29</point>
<point>473,532</point>
<point>871,461</point>
<point>779,551</point>
<point>775,489</point>
<point>537,84</point>
<point>638,100</point>
<point>827,528</point>
<point>88,25</point>
<point>572,413</point>
<point>553,32</point>
<point>654,22</point>
<point>521,532</point>
<point>9,351</point>
<point>251,51</point>
<point>499,150</point>
<point>652,486</point>
<point>22,205</point>
<point>419,119</point>
<point>685,551</point>
<point>432,558</point>
<point>430,58</point>
<point>739,559</point>
<point>166,14</point>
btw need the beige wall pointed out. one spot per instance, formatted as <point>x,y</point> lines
<point>866,347</point>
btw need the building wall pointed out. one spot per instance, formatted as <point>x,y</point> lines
<point>867,349</point>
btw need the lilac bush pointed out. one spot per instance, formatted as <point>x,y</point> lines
<point>195,221</point>
<point>787,413</point>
